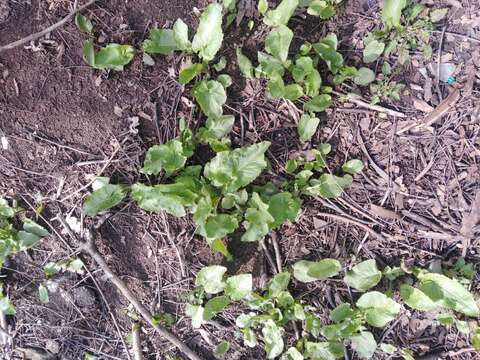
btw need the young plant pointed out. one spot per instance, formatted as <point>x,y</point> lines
<point>406,26</point>
<point>272,311</point>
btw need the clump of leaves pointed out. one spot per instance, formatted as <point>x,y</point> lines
<point>386,88</point>
<point>272,311</point>
<point>406,26</point>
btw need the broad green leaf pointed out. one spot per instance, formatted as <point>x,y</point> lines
<point>43,294</point>
<point>160,41</point>
<point>171,198</point>
<point>281,14</point>
<point>364,76</point>
<point>239,286</point>
<point>232,170</point>
<point>438,14</point>
<point>378,308</point>
<point>416,299</point>
<point>221,349</point>
<point>214,306</point>
<point>462,326</point>
<point>147,59</point>
<point>388,348</point>
<point>195,312</point>
<point>292,92</point>
<point>32,227</point>
<point>83,23</point>
<point>284,206</point>
<point>329,186</point>
<point>180,35</point>
<point>392,12</point>
<point>278,284</point>
<point>308,271</point>
<point>221,64</point>
<point>476,340</point>
<point>244,64</point>
<point>169,157</point>
<point>225,80</point>
<point>307,126</point>
<point>292,354</point>
<point>262,6</point>
<point>321,8</point>
<point>448,293</point>
<point>276,87</point>
<point>219,226</point>
<point>303,66</point>
<point>269,66</point>
<point>211,279</point>
<point>188,74</point>
<point>208,39</point>
<point>327,49</point>
<point>249,337</point>
<point>312,83</point>
<point>323,350</point>
<point>6,305</point>
<point>278,42</point>
<point>258,220</point>
<point>318,103</point>
<point>364,344</point>
<point>373,50</point>
<point>363,276</point>
<point>341,312</point>
<point>89,53</point>
<point>104,198</point>
<point>6,211</point>
<point>353,166</point>
<point>272,336</point>
<point>446,319</point>
<point>211,96</point>
<point>216,128</point>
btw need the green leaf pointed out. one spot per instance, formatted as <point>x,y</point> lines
<point>364,76</point>
<point>341,312</point>
<point>214,306</point>
<point>448,293</point>
<point>292,92</point>
<point>180,35</point>
<point>258,220</point>
<point>219,226</point>
<point>321,8</point>
<point>278,284</point>
<point>188,74</point>
<point>307,126</point>
<point>114,56</point>
<point>160,41</point>
<point>312,83</point>
<point>43,294</point>
<point>392,12</point>
<point>278,42</point>
<point>225,80</point>
<point>446,319</point>
<point>83,23</point>
<point>323,350</point>
<point>364,344</point>
<point>211,96</point>
<point>318,103</point>
<point>244,64</point>
<point>89,53</point>
<point>6,211</point>
<point>353,166</point>
<point>169,157</point>
<point>373,51</point>
<point>239,286</point>
<point>284,206</point>
<point>327,49</point>
<point>292,354</point>
<point>388,348</point>
<point>221,64</point>
<point>211,279</point>
<point>269,66</point>
<point>272,336</point>
<point>329,186</point>
<point>378,308</point>
<point>196,313</point>
<point>221,349</point>
<point>438,14</point>
<point>32,227</point>
<point>208,39</point>
<point>281,14</point>
<point>308,271</point>
<point>104,198</point>
<point>6,305</point>
<point>416,299</point>
<point>232,170</point>
<point>363,276</point>
<point>216,128</point>
<point>476,340</point>
<point>262,6</point>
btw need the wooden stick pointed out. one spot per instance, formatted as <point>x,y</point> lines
<point>357,101</point>
<point>136,342</point>
<point>49,29</point>
<point>90,248</point>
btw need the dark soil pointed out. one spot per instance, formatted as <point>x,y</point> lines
<point>65,121</point>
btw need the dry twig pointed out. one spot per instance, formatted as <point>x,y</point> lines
<point>136,342</point>
<point>357,101</point>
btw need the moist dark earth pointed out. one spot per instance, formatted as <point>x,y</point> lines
<point>66,122</point>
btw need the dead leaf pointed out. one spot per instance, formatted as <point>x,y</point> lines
<point>421,105</point>
<point>383,213</point>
